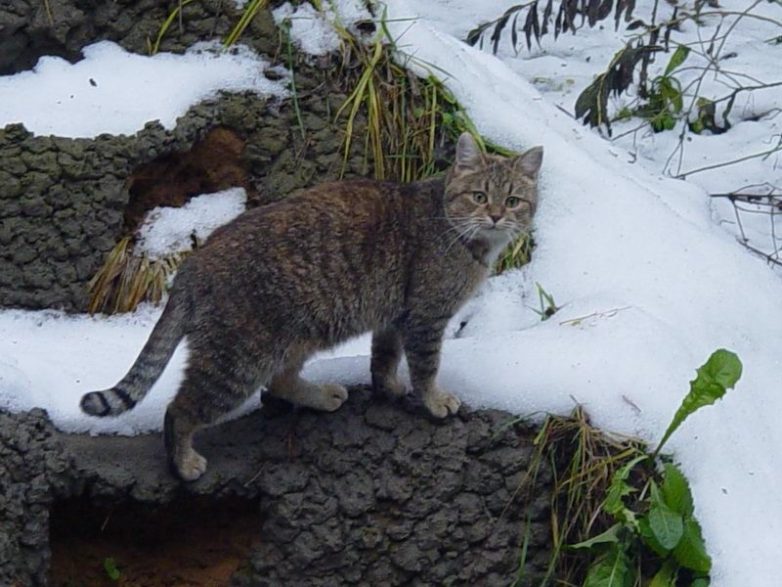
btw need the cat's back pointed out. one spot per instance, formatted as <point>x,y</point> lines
<point>328,211</point>
<point>359,231</point>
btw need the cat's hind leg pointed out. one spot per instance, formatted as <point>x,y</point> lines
<point>211,388</point>
<point>289,385</point>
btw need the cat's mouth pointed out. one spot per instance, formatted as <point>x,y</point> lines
<point>496,228</point>
<point>496,233</point>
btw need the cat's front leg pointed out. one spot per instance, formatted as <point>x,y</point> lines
<point>386,354</point>
<point>423,339</point>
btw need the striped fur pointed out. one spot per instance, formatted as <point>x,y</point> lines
<point>284,281</point>
<point>154,357</point>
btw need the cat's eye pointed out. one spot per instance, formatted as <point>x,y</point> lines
<point>512,201</point>
<point>479,197</point>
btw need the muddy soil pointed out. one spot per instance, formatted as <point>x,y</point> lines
<point>189,543</point>
<point>375,493</point>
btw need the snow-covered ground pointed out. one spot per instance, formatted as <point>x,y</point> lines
<point>649,280</point>
<point>116,92</point>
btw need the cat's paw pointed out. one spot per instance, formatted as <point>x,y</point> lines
<point>191,467</point>
<point>392,387</point>
<point>332,396</point>
<point>441,404</point>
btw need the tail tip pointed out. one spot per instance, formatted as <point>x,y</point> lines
<point>95,404</point>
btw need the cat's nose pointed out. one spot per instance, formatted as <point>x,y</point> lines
<point>495,217</point>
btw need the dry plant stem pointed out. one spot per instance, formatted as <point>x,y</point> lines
<point>712,62</point>
<point>771,201</point>
<point>48,8</point>
<point>294,93</point>
<point>583,461</point>
<point>713,54</point>
<point>732,96</point>
<point>744,13</point>
<point>711,50</point>
<point>176,13</point>
<point>250,10</point>
<point>777,148</point>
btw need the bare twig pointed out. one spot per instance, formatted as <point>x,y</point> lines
<point>759,199</point>
<point>775,149</point>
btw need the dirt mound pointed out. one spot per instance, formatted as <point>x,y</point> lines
<point>375,493</point>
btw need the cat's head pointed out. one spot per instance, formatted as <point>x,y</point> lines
<point>490,197</point>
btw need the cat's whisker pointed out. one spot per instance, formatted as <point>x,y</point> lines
<point>460,227</point>
<point>467,234</point>
<point>453,238</point>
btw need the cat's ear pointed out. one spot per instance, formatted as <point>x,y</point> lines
<point>529,162</point>
<point>468,154</point>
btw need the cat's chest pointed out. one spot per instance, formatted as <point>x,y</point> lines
<point>456,282</point>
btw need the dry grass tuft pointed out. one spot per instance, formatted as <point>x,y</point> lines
<point>125,280</point>
<point>583,461</point>
<point>516,255</point>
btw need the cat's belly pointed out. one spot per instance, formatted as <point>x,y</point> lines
<point>344,318</point>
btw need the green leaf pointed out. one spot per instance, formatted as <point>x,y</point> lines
<point>700,582</point>
<point>697,126</point>
<point>663,121</point>
<point>677,59</point>
<point>619,488</point>
<point>676,99</point>
<point>714,378</point>
<point>648,537</point>
<point>666,525</point>
<point>724,367</point>
<point>691,551</point>
<point>676,490</point>
<point>110,566</point>
<point>609,536</point>
<point>611,570</point>
<point>666,576</point>
<point>668,88</point>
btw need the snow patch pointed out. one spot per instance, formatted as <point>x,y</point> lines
<point>116,92</point>
<point>168,230</point>
<point>315,32</point>
<point>309,29</point>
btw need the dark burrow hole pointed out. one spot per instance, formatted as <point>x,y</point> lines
<point>190,542</point>
<point>214,163</point>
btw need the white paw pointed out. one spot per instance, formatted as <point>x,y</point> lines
<point>332,396</point>
<point>192,466</point>
<point>441,404</point>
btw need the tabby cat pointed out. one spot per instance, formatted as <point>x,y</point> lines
<point>285,280</point>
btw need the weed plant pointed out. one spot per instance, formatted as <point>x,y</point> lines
<point>621,515</point>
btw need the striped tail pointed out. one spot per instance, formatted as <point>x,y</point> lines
<point>154,357</point>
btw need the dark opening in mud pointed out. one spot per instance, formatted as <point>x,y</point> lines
<point>190,542</point>
<point>215,163</point>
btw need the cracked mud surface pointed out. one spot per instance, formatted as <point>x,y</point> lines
<point>375,493</point>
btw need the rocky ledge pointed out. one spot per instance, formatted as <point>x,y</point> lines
<point>375,493</point>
